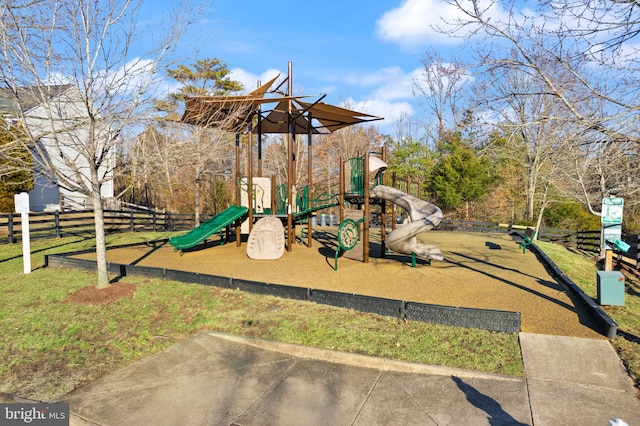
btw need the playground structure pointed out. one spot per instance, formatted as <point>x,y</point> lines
<point>267,209</point>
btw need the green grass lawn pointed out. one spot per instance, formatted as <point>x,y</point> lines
<point>50,345</point>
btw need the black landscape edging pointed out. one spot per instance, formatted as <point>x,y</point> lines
<point>485,319</point>
<point>373,305</point>
<point>447,315</point>
<point>267,289</point>
<point>194,277</point>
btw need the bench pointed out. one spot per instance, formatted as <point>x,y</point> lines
<point>527,240</point>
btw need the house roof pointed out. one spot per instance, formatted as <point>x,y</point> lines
<point>27,98</point>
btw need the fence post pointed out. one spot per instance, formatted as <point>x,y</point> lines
<point>10,228</point>
<point>57,224</point>
<point>579,240</point>
<point>155,220</point>
<point>131,224</point>
<point>638,252</point>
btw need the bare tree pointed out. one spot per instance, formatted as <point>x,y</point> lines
<point>85,45</point>
<point>442,86</point>
<point>522,109</point>
<point>544,35</point>
<point>348,142</point>
<point>583,55</point>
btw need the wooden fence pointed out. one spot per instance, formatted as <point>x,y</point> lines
<point>61,224</point>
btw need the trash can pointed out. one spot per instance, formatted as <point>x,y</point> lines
<point>330,220</point>
<point>610,288</point>
<point>314,221</point>
<point>323,219</point>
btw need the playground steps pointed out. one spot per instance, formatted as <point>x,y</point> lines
<point>205,230</point>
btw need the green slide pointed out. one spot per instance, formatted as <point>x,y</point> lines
<point>205,230</point>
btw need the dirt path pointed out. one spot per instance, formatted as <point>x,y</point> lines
<point>479,271</point>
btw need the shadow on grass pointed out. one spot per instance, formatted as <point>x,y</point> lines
<point>49,248</point>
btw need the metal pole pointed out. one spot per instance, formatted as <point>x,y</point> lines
<point>290,161</point>
<point>309,178</point>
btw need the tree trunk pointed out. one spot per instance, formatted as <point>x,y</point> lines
<point>543,206</point>
<point>531,193</point>
<point>101,245</point>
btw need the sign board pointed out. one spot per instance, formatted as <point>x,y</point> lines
<point>612,211</point>
<point>21,201</point>
<point>612,234</point>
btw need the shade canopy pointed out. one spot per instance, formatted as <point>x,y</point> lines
<point>277,121</point>
<point>236,113</point>
<point>332,117</point>
<point>233,112</point>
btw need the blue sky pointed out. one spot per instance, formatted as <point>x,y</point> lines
<point>362,52</point>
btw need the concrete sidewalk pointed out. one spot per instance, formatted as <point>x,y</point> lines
<point>217,379</point>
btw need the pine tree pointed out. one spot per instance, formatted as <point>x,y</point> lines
<point>460,176</point>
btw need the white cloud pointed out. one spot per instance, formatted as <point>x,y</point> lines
<point>250,80</point>
<point>389,91</point>
<point>398,87</point>
<point>390,111</point>
<point>381,108</point>
<point>134,77</point>
<point>59,78</point>
<point>413,23</point>
<point>418,23</point>
<point>390,83</point>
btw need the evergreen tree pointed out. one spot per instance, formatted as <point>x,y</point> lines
<point>460,176</point>
<point>15,176</point>
<point>205,77</point>
<point>411,158</point>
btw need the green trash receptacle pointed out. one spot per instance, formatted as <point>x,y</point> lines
<point>610,288</point>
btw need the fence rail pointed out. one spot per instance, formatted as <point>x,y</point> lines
<point>466,226</point>
<point>59,224</point>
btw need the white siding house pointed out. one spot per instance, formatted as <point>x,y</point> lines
<point>61,134</point>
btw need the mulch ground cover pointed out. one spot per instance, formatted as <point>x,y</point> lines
<point>487,271</point>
